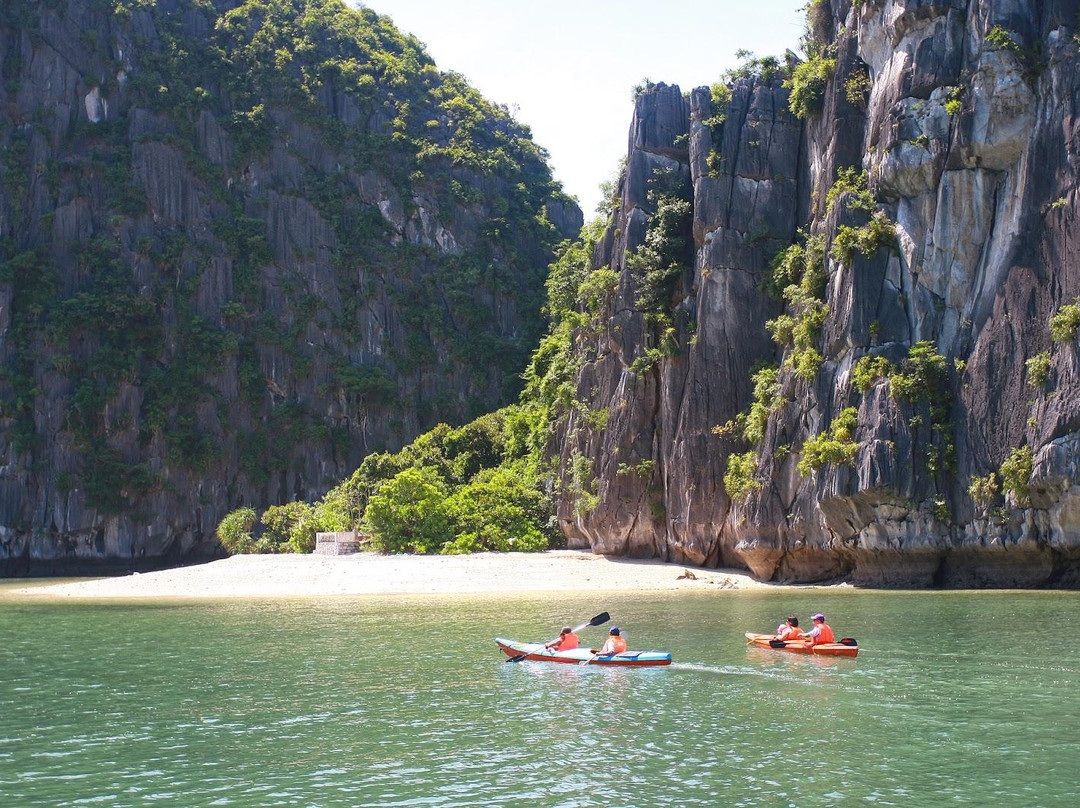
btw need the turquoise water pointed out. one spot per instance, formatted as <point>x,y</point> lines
<point>955,699</point>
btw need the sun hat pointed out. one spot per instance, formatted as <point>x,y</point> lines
<point>819,616</point>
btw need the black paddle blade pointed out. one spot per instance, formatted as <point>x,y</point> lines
<point>600,619</point>
<point>849,641</point>
<point>777,644</point>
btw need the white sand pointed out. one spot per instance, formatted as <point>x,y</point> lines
<point>248,576</point>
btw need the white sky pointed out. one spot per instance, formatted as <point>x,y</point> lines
<point>570,65</point>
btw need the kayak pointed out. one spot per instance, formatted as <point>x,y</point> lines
<point>535,652</point>
<point>800,647</point>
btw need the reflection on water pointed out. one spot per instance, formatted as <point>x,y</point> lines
<point>955,698</point>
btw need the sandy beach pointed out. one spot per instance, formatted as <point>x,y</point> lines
<point>268,576</point>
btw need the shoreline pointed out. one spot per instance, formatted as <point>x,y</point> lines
<point>290,576</point>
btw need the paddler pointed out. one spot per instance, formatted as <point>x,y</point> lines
<point>789,629</point>
<point>821,632</point>
<point>567,640</point>
<point>615,643</point>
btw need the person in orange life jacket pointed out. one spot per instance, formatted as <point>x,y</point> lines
<point>615,643</point>
<point>789,630</point>
<point>821,632</point>
<point>567,640</point>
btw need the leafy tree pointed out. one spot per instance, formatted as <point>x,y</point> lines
<point>499,510</point>
<point>565,276</point>
<point>290,526</point>
<point>333,513</point>
<point>408,513</point>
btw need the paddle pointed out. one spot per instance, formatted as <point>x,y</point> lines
<point>849,641</point>
<point>600,619</point>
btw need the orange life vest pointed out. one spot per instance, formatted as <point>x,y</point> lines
<point>825,634</point>
<point>567,642</point>
<point>792,633</point>
<point>615,644</point>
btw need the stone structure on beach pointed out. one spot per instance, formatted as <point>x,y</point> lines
<point>921,423</point>
<point>342,542</point>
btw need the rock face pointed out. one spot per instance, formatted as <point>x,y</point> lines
<point>964,117</point>
<point>239,252</point>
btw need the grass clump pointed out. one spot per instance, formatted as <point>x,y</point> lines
<point>857,87</point>
<point>857,183</point>
<point>922,375</point>
<point>984,490</point>
<point>879,232</point>
<point>1065,322</point>
<point>868,370</point>
<point>808,83</point>
<point>751,425</point>
<point>767,399</point>
<point>954,100</point>
<point>1016,475</point>
<point>800,265</point>
<point>836,445</point>
<point>739,479</point>
<point>234,531</point>
<point>798,276</point>
<point>1038,369</point>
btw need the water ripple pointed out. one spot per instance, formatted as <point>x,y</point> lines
<point>175,713</point>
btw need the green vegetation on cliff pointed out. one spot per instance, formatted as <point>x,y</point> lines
<point>280,234</point>
<point>486,485</point>
<point>470,489</point>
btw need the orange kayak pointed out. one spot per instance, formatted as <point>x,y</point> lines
<point>848,649</point>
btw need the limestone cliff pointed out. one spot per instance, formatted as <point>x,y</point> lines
<point>242,245</point>
<point>861,335</point>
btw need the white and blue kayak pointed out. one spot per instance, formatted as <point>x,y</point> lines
<point>536,652</point>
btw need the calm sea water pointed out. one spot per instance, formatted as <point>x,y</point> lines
<point>955,699</point>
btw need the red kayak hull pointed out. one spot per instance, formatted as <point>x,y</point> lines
<point>800,647</point>
<point>580,656</point>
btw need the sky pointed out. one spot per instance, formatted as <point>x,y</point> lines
<point>569,67</point>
